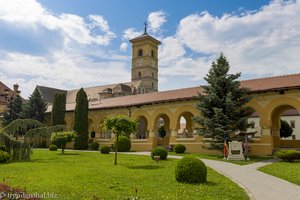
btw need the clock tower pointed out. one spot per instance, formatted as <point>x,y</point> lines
<point>145,63</point>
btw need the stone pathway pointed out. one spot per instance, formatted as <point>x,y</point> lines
<point>258,185</point>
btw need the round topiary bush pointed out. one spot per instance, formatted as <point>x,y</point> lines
<point>124,144</point>
<point>159,151</point>
<point>288,155</point>
<point>4,157</point>
<point>53,147</point>
<point>105,150</point>
<point>179,148</point>
<point>94,146</point>
<point>2,147</point>
<point>190,170</point>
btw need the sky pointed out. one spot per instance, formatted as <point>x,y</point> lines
<point>71,44</point>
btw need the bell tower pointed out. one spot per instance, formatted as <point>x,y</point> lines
<point>145,63</point>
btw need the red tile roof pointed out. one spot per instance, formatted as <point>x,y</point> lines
<point>256,85</point>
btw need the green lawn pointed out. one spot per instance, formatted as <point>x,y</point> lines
<point>81,175</point>
<point>253,159</point>
<point>284,170</point>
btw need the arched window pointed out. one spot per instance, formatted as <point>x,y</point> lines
<point>252,124</point>
<point>152,53</point>
<point>140,52</point>
<point>152,85</point>
<point>140,74</point>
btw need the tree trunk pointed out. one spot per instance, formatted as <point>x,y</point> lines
<point>116,149</point>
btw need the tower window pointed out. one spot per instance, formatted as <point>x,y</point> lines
<point>140,74</point>
<point>140,52</point>
<point>152,75</point>
<point>152,53</point>
<point>152,85</point>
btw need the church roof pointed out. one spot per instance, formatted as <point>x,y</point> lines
<point>144,36</point>
<point>256,85</point>
<point>48,93</point>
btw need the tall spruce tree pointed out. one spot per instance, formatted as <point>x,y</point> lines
<point>81,120</point>
<point>58,109</point>
<point>222,105</point>
<point>13,111</point>
<point>36,107</point>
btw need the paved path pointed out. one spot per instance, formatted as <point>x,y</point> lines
<point>258,185</point>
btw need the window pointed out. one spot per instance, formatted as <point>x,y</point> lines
<point>293,123</point>
<point>152,53</point>
<point>139,90</point>
<point>140,52</point>
<point>143,91</point>
<point>152,75</point>
<point>140,74</point>
<point>152,85</point>
<point>252,124</point>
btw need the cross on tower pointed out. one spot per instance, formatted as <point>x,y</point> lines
<point>145,31</point>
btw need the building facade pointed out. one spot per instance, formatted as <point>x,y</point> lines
<point>140,100</point>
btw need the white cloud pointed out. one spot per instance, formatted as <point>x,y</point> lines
<point>131,33</point>
<point>266,41</point>
<point>156,20</point>
<point>124,46</point>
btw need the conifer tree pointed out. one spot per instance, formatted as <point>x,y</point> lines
<point>36,107</point>
<point>222,105</point>
<point>13,111</point>
<point>58,109</point>
<point>81,120</point>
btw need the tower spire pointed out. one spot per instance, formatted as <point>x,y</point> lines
<point>145,29</point>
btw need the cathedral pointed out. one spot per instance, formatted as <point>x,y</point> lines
<point>141,100</point>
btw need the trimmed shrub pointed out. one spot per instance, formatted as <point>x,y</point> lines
<point>159,151</point>
<point>94,146</point>
<point>4,157</point>
<point>53,148</point>
<point>288,155</point>
<point>105,150</point>
<point>124,144</point>
<point>2,147</point>
<point>179,148</point>
<point>190,170</point>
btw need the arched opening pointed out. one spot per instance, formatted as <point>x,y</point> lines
<point>91,127</point>
<point>162,129</point>
<point>140,52</point>
<point>152,53</point>
<point>280,115</point>
<point>185,125</point>
<point>103,134</point>
<point>140,74</point>
<point>142,132</point>
<point>152,85</point>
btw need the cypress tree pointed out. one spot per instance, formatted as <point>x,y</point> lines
<point>35,107</point>
<point>13,111</point>
<point>58,109</point>
<point>222,105</point>
<point>81,120</point>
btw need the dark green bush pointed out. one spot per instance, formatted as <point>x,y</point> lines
<point>124,144</point>
<point>179,148</point>
<point>53,147</point>
<point>288,155</point>
<point>4,157</point>
<point>94,146</point>
<point>159,151</point>
<point>2,147</point>
<point>190,170</point>
<point>105,150</point>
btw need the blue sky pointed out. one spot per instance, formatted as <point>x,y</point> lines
<point>71,44</point>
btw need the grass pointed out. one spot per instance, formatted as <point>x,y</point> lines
<point>82,175</point>
<point>284,170</point>
<point>253,159</point>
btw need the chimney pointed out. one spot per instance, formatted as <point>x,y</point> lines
<point>16,88</point>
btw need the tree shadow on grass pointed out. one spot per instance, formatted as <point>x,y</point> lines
<point>69,154</point>
<point>145,167</point>
<point>210,183</point>
<point>39,160</point>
